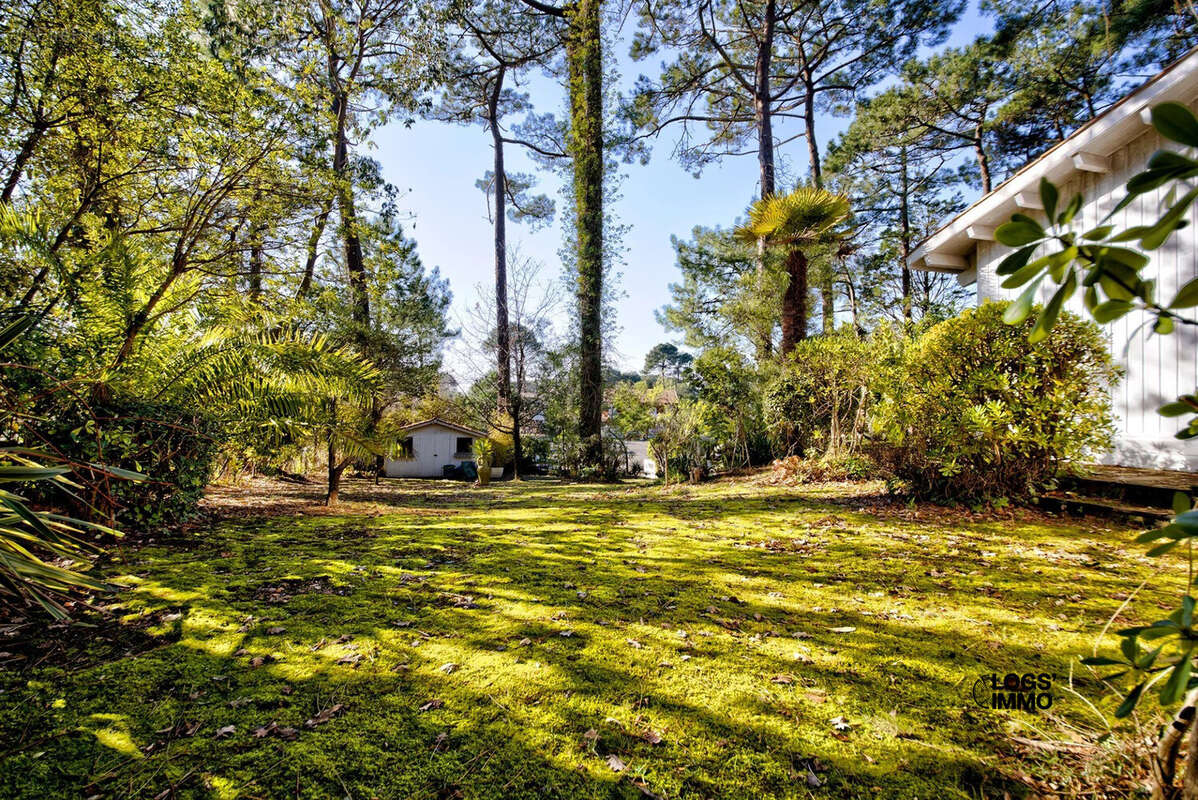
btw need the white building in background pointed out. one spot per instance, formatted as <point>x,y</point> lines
<point>1096,161</point>
<point>430,446</point>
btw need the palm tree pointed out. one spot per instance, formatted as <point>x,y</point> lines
<point>806,217</point>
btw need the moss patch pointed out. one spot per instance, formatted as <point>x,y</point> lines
<point>546,640</point>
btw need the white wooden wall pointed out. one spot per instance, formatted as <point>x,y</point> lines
<point>1158,368</point>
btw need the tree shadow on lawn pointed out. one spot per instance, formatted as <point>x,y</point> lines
<point>742,704</point>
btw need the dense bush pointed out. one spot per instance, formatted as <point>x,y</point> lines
<point>816,405</point>
<point>975,412</point>
<point>174,447</point>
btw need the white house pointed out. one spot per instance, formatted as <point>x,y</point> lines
<point>430,446</point>
<point>1097,161</point>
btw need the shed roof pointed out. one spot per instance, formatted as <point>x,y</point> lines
<point>1087,149</point>
<point>444,424</point>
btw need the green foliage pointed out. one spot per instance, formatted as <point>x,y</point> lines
<point>484,452</point>
<point>977,412</point>
<point>818,400</point>
<point>1114,284</point>
<point>41,552</point>
<point>805,216</point>
<point>172,446</point>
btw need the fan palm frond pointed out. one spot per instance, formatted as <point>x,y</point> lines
<point>807,215</point>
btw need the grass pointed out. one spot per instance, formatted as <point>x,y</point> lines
<point>569,641</point>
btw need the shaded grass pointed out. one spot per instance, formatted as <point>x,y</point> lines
<point>523,640</point>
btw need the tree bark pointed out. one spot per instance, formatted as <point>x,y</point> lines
<point>18,166</point>
<point>585,144</point>
<point>794,302</point>
<point>905,239</point>
<point>354,263</point>
<point>1164,764</point>
<point>763,114</point>
<point>334,473</point>
<point>502,328</point>
<point>983,159</point>
<point>762,108</point>
<point>827,287</point>
<point>318,226</point>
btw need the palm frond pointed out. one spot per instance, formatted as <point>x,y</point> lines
<point>808,215</point>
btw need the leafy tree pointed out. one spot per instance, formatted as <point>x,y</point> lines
<point>500,40</point>
<point>723,300</point>
<point>666,360</point>
<point>901,185</point>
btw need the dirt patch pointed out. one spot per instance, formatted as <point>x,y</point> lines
<point>279,592</point>
<point>92,637</point>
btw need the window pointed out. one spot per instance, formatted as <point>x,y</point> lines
<point>406,450</point>
<point>465,445</point>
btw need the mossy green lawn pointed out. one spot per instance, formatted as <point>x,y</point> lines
<point>545,640</point>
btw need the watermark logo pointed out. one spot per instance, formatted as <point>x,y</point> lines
<point>1029,691</point>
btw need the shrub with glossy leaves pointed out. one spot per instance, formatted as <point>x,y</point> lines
<point>978,412</point>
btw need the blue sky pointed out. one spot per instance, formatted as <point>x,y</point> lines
<point>435,166</point>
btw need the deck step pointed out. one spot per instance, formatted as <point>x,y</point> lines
<point>1067,502</point>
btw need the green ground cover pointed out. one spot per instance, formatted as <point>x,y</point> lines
<point>427,640</point>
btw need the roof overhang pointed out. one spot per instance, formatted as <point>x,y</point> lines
<point>444,424</point>
<point>1088,149</point>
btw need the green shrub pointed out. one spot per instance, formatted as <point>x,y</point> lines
<point>817,403</point>
<point>976,413</point>
<point>174,447</point>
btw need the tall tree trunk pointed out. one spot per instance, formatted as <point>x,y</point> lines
<point>905,240</point>
<point>503,349</point>
<point>318,226</point>
<point>334,473</point>
<point>762,102</point>
<point>827,287</point>
<point>585,144</point>
<point>354,263</point>
<point>794,302</point>
<point>763,116</point>
<point>979,150</point>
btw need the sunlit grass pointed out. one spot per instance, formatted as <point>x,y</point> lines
<point>541,640</point>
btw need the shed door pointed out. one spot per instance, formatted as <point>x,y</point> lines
<point>428,453</point>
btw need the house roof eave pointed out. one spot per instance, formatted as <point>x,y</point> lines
<point>949,248</point>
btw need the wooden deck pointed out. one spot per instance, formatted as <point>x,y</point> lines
<point>1134,476</point>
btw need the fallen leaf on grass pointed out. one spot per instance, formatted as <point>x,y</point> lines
<point>840,724</point>
<point>633,643</point>
<point>616,763</point>
<point>227,730</point>
<point>432,704</point>
<point>275,631</point>
<point>448,668</point>
<point>843,629</point>
<point>439,744</point>
<point>324,716</point>
<point>784,679</point>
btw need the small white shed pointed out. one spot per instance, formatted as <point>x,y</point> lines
<point>430,446</point>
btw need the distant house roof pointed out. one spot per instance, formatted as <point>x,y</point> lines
<point>445,424</point>
<point>1087,149</point>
